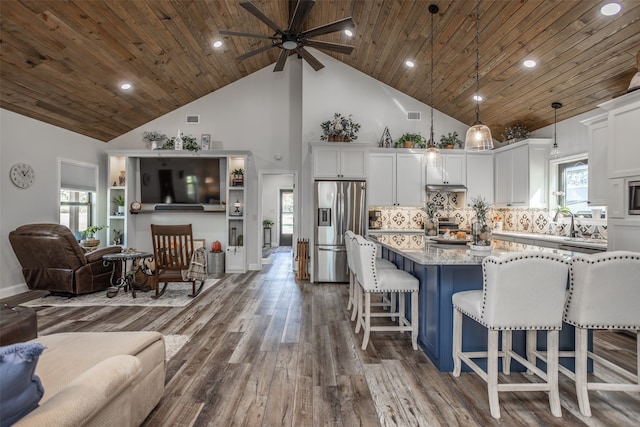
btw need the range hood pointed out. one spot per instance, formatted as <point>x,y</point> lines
<point>451,188</point>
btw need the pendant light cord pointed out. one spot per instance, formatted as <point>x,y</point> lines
<point>432,142</point>
<point>477,61</point>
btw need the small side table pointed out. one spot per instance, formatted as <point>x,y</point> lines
<point>266,238</point>
<point>131,263</point>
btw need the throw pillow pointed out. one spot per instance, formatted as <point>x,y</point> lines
<point>20,389</point>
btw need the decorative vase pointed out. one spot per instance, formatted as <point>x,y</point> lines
<point>481,233</point>
<point>431,227</point>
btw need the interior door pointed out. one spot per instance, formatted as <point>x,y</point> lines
<point>286,218</point>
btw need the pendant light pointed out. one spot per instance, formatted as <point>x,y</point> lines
<point>479,135</point>
<point>555,151</point>
<point>432,152</point>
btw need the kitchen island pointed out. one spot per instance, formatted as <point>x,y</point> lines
<point>444,269</point>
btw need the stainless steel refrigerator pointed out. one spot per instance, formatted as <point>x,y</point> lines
<point>339,206</point>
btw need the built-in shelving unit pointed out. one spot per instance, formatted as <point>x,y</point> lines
<point>221,222</point>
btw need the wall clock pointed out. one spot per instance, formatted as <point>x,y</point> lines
<point>22,175</point>
<point>135,206</point>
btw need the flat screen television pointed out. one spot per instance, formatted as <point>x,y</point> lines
<point>180,180</point>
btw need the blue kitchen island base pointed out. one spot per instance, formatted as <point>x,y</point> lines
<point>438,282</point>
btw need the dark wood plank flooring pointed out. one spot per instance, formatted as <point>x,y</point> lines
<point>267,350</point>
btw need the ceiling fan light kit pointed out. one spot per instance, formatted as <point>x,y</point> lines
<point>478,135</point>
<point>293,39</point>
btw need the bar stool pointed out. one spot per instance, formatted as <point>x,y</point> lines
<point>381,263</point>
<point>372,279</point>
<point>604,294</point>
<point>522,291</point>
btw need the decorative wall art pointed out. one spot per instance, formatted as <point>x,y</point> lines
<point>385,140</point>
<point>205,141</point>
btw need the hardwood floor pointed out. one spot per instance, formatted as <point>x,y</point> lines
<point>267,350</point>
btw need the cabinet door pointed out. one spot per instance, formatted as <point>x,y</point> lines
<point>520,176</point>
<point>409,181</point>
<point>326,162</point>
<point>502,173</point>
<point>454,169</point>
<point>353,163</point>
<point>434,173</point>
<point>598,166</point>
<point>480,177</point>
<point>616,198</point>
<point>382,179</point>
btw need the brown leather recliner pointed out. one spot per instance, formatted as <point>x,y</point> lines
<point>52,260</point>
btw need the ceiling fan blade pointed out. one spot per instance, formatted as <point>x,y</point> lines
<point>301,12</point>
<point>332,47</point>
<point>315,64</point>
<point>282,59</point>
<point>236,33</point>
<point>332,27</point>
<point>255,52</point>
<point>252,9</point>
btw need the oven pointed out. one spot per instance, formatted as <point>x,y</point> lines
<point>634,197</point>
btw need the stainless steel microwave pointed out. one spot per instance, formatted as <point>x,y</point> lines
<point>634,197</point>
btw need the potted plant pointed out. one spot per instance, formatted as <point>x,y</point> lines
<point>450,141</point>
<point>119,202</point>
<point>88,235</point>
<point>430,226</point>
<point>340,129</point>
<point>188,143</point>
<point>480,229</point>
<point>237,179</point>
<point>515,133</point>
<point>411,140</point>
<point>267,223</point>
<point>153,139</point>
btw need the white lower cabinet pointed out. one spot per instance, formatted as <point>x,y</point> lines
<point>395,179</point>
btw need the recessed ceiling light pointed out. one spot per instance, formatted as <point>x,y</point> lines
<point>349,33</point>
<point>478,98</point>
<point>125,86</point>
<point>409,64</point>
<point>529,63</point>
<point>217,43</point>
<point>611,9</point>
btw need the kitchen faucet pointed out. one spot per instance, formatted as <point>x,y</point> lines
<point>572,229</point>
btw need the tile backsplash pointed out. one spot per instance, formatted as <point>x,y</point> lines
<point>525,220</point>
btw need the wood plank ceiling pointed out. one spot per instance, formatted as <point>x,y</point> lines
<point>62,61</point>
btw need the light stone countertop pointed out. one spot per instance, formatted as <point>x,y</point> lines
<point>564,240</point>
<point>422,250</point>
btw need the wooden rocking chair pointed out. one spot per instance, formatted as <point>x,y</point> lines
<point>172,251</point>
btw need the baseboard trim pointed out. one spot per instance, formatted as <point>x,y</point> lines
<point>13,290</point>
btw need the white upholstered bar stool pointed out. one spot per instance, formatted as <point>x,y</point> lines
<point>381,263</point>
<point>604,294</point>
<point>522,291</point>
<point>372,280</point>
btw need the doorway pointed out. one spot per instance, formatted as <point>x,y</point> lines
<point>286,217</point>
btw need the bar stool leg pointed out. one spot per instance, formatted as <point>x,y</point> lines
<point>492,372</point>
<point>414,320</point>
<point>359,296</point>
<point>552,372</point>
<point>532,345</point>
<point>581,371</point>
<point>367,319</point>
<point>457,342</point>
<point>506,348</point>
<point>401,316</point>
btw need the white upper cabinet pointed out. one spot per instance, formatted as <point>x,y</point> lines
<point>395,179</point>
<point>597,136</point>
<point>453,170</point>
<point>480,176</point>
<point>623,150</point>
<point>339,161</point>
<point>521,172</point>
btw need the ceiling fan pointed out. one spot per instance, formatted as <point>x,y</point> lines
<point>293,39</point>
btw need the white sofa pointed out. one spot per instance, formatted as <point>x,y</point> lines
<point>98,379</point>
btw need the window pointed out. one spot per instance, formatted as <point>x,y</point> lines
<point>572,185</point>
<point>76,210</point>
<point>78,185</point>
